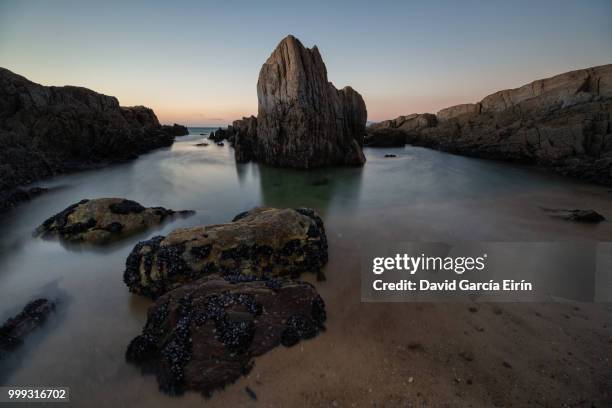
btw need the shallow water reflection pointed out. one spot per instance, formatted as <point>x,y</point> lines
<point>420,195</point>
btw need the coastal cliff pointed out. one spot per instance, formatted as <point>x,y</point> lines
<point>562,122</point>
<point>47,130</point>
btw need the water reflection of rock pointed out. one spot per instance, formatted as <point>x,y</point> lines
<point>320,189</point>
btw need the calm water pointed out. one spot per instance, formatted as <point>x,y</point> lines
<point>420,195</point>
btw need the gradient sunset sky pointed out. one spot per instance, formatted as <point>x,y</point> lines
<point>197,62</point>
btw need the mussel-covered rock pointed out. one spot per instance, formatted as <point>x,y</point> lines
<point>15,329</point>
<point>99,220</point>
<point>264,242</point>
<point>204,335</point>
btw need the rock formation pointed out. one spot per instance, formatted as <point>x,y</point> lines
<point>46,130</point>
<point>204,335</point>
<point>303,121</point>
<point>262,242</point>
<point>15,329</point>
<point>563,123</point>
<point>394,132</point>
<point>100,220</point>
<point>176,130</point>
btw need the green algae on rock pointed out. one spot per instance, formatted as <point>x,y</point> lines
<point>204,335</point>
<point>99,220</point>
<point>263,242</point>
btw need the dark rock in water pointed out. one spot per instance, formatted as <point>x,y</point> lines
<point>100,220</point>
<point>390,155</point>
<point>245,135</point>
<point>11,198</point>
<point>203,144</point>
<point>263,242</point>
<point>220,144</point>
<point>303,121</point>
<point>562,123</point>
<point>48,130</point>
<point>15,329</point>
<point>589,216</point>
<point>204,335</point>
<point>176,130</point>
<point>221,134</point>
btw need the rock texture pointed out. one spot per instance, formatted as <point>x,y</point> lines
<point>262,242</point>
<point>49,130</point>
<point>563,123</point>
<point>15,329</point>
<point>303,121</point>
<point>395,132</point>
<point>204,335</point>
<point>101,220</point>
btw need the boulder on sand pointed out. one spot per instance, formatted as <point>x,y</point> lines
<point>263,242</point>
<point>102,219</point>
<point>204,335</point>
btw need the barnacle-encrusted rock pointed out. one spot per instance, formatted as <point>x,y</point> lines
<point>261,242</point>
<point>203,336</point>
<point>99,220</point>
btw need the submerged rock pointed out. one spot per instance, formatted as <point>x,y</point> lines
<point>262,242</point>
<point>589,216</point>
<point>303,121</point>
<point>15,329</point>
<point>12,198</point>
<point>99,220</point>
<point>204,335</point>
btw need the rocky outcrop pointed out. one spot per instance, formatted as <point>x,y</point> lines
<point>204,335</point>
<point>563,123</point>
<point>395,132</point>
<point>100,220</point>
<point>176,130</point>
<point>303,121</point>
<point>15,329</point>
<point>263,242</point>
<point>49,130</point>
<point>457,110</point>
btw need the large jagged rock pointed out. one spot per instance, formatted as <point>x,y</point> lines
<point>100,220</point>
<point>14,331</point>
<point>303,121</point>
<point>46,130</point>
<point>261,242</point>
<point>563,123</point>
<point>204,335</point>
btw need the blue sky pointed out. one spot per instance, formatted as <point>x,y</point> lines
<point>198,62</point>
